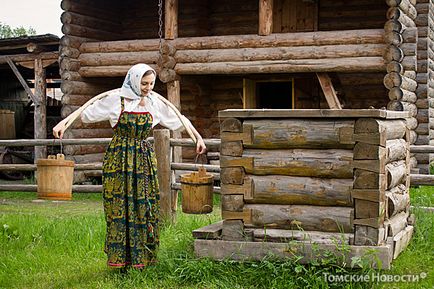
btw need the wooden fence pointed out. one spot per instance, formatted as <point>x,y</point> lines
<point>164,152</point>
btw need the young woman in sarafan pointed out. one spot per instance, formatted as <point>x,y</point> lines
<point>130,185</point>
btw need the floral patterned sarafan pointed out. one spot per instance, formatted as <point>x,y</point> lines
<point>130,192</point>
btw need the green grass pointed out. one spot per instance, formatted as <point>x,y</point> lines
<point>60,245</point>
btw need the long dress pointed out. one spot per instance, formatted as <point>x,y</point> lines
<point>130,192</point>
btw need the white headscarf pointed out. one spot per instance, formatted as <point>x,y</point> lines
<point>131,86</point>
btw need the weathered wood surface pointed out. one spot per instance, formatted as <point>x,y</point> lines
<point>293,190</point>
<point>315,218</point>
<point>396,173</point>
<point>398,200</point>
<point>301,133</point>
<point>265,17</point>
<point>368,236</point>
<point>239,250</point>
<point>396,223</point>
<point>296,162</point>
<point>313,113</point>
<point>212,231</point>
<point>344,64</point>
<point>395,150</point>
<point>315,237</point>
<point>364,209</point>
<point>401,240</point>
<point>364,179</point>
<point>233,230</point>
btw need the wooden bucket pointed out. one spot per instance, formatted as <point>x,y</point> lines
<point>55,176</point>
<point>197,192</point>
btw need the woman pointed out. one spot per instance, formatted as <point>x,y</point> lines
<point>130,185</point>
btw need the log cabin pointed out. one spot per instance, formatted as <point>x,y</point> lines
<point>316,176</point>
<point>214,55</point>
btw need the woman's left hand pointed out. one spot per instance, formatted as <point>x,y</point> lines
<point>200,146</point>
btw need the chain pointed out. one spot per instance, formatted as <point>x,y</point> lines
<point>160,25</point>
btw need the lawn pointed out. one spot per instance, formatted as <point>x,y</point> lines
<point>60,245</point>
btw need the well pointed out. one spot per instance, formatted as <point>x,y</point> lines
<point>307,182</point>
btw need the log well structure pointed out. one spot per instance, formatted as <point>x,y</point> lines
<point>217,55</point>
<point>295,180</point>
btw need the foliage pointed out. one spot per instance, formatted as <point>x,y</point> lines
<point>7,31</point>
<point>60,245</point>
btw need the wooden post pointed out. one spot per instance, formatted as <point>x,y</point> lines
<point>265,17</point>
<point>171,19</point>
<point>162,150</point>
<point>40,114</point>
<point>174,96</point>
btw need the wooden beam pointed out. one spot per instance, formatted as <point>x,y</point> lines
<point>22,81</point>
<point>162,151</point>
<point>171,19</point>
<point>329,91</point>
<point>174,96</point>
<point>40,113</point>
<point>265,17</point>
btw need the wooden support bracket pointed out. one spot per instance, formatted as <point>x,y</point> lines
<point>328,89</point>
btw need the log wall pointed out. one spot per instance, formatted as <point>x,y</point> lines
<point>315,176</point>
<point>430,75</point>
<point>401,80</point>
<point>422,102</point>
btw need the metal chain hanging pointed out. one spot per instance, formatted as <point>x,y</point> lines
<point>160,26</point>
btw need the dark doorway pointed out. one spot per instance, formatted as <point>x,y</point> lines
<point>275,95</point>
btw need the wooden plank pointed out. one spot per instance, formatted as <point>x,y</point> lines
<point>245,136</point>
<point>368,236</point>
<point>328,90</point>
<point>242,251</point>
<point>282,236</point>
<point>246,189</point>
<point>265,17</point>
<point>376,166</point>
<point>234,203</point>
<point>245,215</point>
<point>171,19</point>
<point>373,195</point>
<point>323,113</point>
<point>233,230</point>
<point>212,231</point>
<point>401,240</point>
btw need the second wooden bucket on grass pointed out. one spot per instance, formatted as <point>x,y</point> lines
<point>55,176</point>
<point>197,192</point>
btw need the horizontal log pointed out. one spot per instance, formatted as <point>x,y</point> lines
<point>91,22</point>
<point>309,252</point>
<point>368,236</point>
<point>83,31</point>
<point>279,53</point>
<point>73,41</point>
<point>78,87</point>
<point>106,71</point>
<point>57,142</point>
<point>394,79</point>
<point>316,218</point>
<point>419,179</point>
<point>118,58</point>
<point>301,133</point>
<point>349,64</point>
<point>29,57</point>
<point>33,167</point>
<point>34,188</point>
<point>364,36</point>
<point>336,163</point>
<point>293,190</point>
<point>376,131</point>
<point>286,236</point>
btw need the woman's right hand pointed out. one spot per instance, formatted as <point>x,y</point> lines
<point>59,129</point>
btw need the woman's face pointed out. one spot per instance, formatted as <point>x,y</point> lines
<point>147,84</point>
